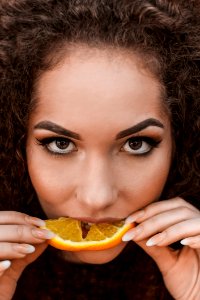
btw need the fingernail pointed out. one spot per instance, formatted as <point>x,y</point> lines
<point>185,242</point>
<point>35,221</point>
<point>42,233</point>
<point>155,240</point>
<point>134,218</point>
<point>130,220</point>
<point>151,242</point>
<point>27,249</point>
<point>129,235</point>
<point>5,264</point>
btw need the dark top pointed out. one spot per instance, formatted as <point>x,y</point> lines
<point>131,276</point>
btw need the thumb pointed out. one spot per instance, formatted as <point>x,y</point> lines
<point>164,257</point>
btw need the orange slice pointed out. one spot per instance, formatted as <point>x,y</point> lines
<point>74,235</point>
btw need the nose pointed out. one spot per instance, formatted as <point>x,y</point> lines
<point>96,191</point>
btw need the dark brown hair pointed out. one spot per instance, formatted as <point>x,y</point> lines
<point>33,30</point>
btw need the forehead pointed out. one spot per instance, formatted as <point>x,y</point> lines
<point>99,83</point>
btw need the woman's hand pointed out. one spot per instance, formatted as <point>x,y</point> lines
<point>18,233</point>
<point>161,224</point>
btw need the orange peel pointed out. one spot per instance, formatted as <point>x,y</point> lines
<point>74,235</point>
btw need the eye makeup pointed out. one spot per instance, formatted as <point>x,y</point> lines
<point>135,146</point>
<point>140,145</point>
<point>57,145</point>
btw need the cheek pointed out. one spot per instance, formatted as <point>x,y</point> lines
<point>52,189</point>
<point>52,180</point>
<point>143,181</point>
<point>48,182</point>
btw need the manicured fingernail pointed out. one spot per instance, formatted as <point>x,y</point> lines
<point>27,249</point>
<point>155,240</point>
<point>129,235</point>
<point>130,220</point>
<point>35,221</point>
<point>185,242</point>
<point>151,242</point>
<point>134,218</point>
<point>5,264</point>
<point>43,233</point>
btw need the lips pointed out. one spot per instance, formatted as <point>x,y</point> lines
<point>90,221</point>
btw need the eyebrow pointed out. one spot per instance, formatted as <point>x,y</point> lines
<point>48,125</point>
<point>57,129</point>
<point>139,127</point>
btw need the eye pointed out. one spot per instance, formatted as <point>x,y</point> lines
<point>139,145</point>
<point>58,145</point>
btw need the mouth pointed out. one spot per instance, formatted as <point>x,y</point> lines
<point>89,220</point>
<point>85,228</point>
<point>86,223</point>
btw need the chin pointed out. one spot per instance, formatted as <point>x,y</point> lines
<point>94,257</point>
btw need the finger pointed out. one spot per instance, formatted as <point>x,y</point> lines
<point>160,222</point>
<point>175,233</point>
<point>159,207</point>
<point>13,250</point>
<point>192,242</point>
<point>4,265</point>
<point>14,217</point>
<point>24,234</point>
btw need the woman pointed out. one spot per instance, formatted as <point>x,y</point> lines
<point>100,122</point>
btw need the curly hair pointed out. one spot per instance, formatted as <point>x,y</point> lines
<point>33,35</point>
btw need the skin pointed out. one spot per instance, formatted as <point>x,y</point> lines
<point>97,94</point>
<point>97,97</point>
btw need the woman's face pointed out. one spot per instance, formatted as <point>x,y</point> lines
<point>99,141</point>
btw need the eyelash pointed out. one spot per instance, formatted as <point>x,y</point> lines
<point>45,142</point>
<point>152,142</point>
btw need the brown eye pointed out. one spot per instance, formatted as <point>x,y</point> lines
<point>135,145</point>
<point>61,146</point>
<point>138,146</point>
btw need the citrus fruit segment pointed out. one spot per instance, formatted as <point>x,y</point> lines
<point>74,235</point>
